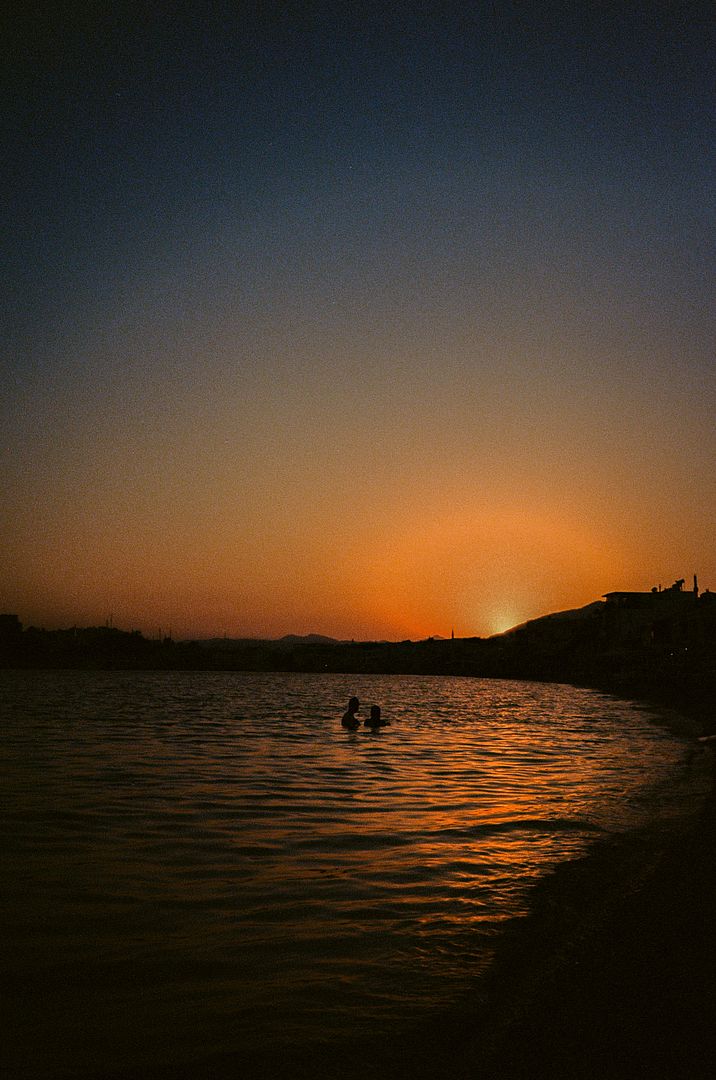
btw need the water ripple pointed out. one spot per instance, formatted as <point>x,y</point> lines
<point>216,845</point>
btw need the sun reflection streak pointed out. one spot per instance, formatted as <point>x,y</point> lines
<point>294,871</point>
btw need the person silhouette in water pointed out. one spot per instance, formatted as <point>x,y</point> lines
<point>375,721</point>
<point>350,720</point>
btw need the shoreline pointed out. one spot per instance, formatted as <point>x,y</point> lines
<point>612,974</point>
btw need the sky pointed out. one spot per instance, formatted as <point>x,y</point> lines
<point>376,322</point>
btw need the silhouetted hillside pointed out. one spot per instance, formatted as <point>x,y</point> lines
<point>571,615</point>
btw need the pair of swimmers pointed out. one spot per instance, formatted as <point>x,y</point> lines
<point>351,721</point>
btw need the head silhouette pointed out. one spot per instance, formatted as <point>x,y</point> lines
<point>350,720</point>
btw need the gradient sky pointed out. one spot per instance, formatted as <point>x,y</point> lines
<point>370,325</point>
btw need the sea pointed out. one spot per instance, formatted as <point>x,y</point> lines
<point>204,874</point>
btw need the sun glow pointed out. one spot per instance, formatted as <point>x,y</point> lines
<point>482,570</point>
<point>503,620</point>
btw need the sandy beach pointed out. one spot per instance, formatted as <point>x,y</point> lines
<point>613,974</point>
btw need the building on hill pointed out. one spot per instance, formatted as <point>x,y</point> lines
<point>658,617</point>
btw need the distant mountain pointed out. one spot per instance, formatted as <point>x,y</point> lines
<point>306,639</point>
<point>289,641</point>
<point>573,615</point>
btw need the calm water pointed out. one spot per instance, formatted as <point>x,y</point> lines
<point>203,864</point>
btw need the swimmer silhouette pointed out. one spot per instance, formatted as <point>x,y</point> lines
<point>350,720</point>
<point>374,721</point>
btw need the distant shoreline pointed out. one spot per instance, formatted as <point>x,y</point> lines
<point>658,647</point>
<point>686,695</point>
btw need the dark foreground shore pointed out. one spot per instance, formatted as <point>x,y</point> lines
<point>612,976</point>
<point>614,973</point>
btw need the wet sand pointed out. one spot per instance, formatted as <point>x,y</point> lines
<point>614,974</point>
<point>611,977</point>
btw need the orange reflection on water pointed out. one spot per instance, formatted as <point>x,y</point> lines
<point>221,840</point>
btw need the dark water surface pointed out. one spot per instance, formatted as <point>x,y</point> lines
<point>202,866</point>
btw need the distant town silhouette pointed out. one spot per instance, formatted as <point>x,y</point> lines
<point>660,642</point>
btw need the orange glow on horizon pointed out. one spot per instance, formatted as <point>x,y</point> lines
<point>479,571</point>
<point>485,571</point>
<point>274,367</point>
